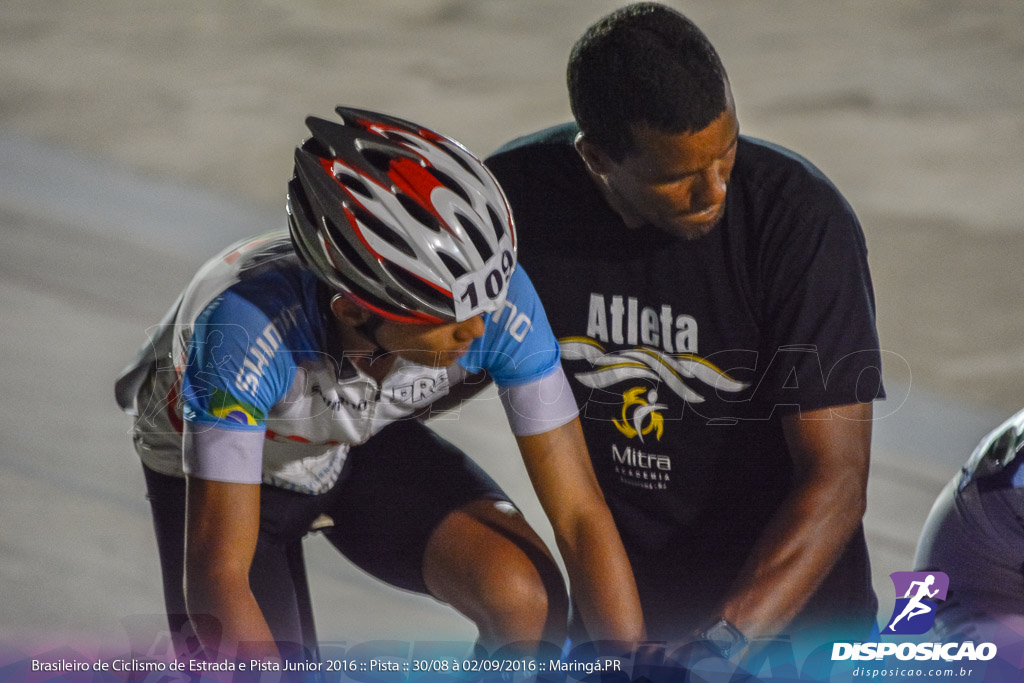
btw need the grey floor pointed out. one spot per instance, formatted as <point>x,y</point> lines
<point>138,137</point>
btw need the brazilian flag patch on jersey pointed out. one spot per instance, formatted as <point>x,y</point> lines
<point>228,408</point>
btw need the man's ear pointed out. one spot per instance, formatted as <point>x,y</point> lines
<point>347,311</point>
<point>593,156</point>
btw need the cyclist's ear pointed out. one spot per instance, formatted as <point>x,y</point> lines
<point>348,312</point>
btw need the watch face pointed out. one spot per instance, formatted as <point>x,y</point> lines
<point>720,635</point>
<point>725,637</point>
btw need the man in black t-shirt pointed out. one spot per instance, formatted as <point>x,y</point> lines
<point>712,299</point>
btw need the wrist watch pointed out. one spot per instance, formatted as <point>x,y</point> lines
<point>724,638</point>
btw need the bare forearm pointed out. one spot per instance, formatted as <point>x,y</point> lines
<point>236,617</point>
<point>222,529</point>
<point>831,450</point>
<point>602,579</point>
<point>793,555</point>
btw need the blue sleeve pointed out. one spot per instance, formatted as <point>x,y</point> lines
<point>237,366</point>
<point>517,346</point>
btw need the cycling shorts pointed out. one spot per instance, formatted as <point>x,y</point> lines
<point>392,493</point>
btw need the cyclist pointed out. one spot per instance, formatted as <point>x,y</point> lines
<point>296,361</point>
<point>974,534</point>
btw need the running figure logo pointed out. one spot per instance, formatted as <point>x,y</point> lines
<point>914,613</point>
<point>644,410</point>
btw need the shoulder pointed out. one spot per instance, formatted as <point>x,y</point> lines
<point>784,202</point>
<point>247,332</point>
<point>281,300</point>
<point>520,287</point>
<point>519,316</point>
<point>547,186</point>
<point>252,331</point>
<point>540,152</point>
<point>262,270</point>
<point>250,285</point>
<point>517,346</point>
<point>767,174</point>
<point>548,139</point>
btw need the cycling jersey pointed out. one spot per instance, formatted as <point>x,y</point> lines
<point>260,391</point>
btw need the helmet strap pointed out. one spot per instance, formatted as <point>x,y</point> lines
<point>368,330</point>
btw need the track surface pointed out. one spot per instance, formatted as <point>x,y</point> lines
<point>138,137</point>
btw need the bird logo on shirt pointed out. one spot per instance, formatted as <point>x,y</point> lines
<point>676,372</point>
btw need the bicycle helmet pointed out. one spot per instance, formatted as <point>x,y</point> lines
<point>404,221</point>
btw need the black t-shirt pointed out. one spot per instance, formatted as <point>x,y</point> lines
<point>683,356</point>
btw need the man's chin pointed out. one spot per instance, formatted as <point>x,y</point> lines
<point>692,230</point>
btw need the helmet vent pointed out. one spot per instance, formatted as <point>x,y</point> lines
<point>382,230</point>
<point>417,288</point>
<point>317,148</point>
<point>375,301</point>
<point>418,212</point>
<point>299,202</point>
<point>338,238</point>
<point>482,247</point>
<point>463,163</point>
<point>499,230</point>
<point>453,266</point>
<point>377,158</point>
<point>354,184</point>
<point>451,184</point>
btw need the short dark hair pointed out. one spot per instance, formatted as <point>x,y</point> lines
<point>644,64</point>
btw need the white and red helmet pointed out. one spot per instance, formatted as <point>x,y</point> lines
<point>407,222</point>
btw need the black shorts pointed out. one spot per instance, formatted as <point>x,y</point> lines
<point>392,493</point>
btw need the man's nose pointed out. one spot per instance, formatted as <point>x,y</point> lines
<point>713,184</point>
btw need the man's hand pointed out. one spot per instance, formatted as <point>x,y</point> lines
<point>831,450</point>
<point>599,572</point>
<point>222,525</point>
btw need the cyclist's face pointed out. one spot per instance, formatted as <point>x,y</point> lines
<point>433,345</point>
<point>674,181</point>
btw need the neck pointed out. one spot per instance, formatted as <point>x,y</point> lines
<point>612,198</point>
<point>364,353</point>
